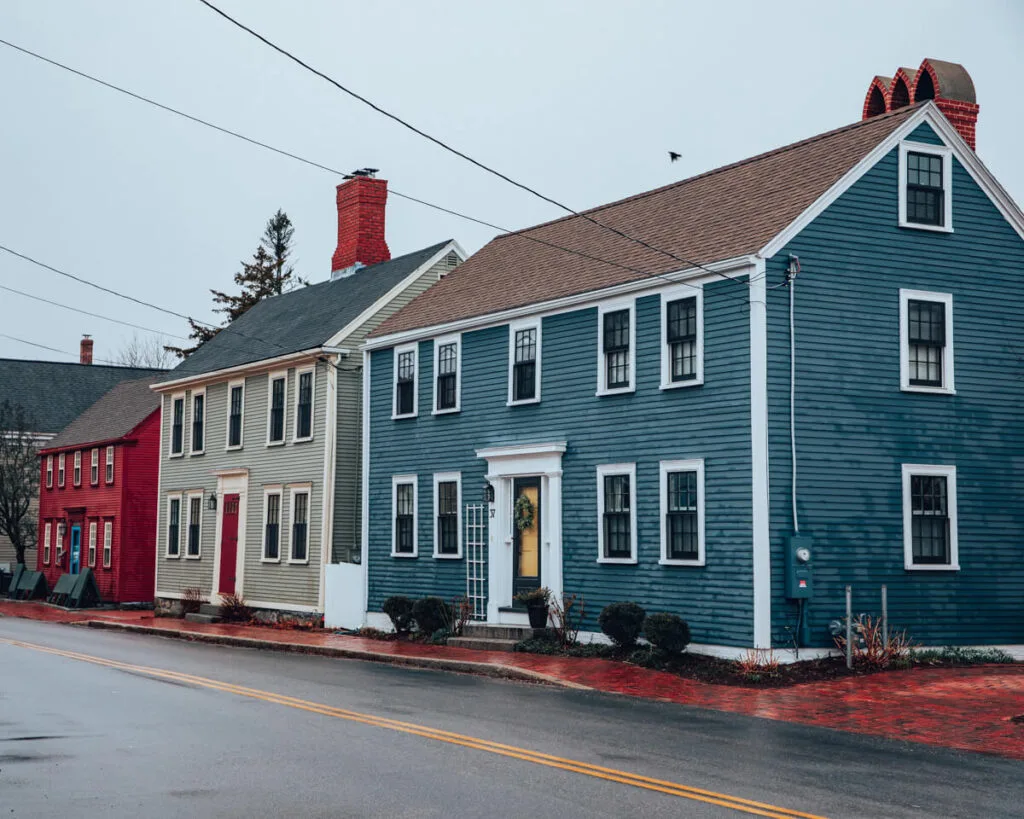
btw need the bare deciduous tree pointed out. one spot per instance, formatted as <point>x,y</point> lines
<point>148,352</point>
<point>19,478</point>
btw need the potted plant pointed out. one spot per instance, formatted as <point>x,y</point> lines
<point>536,602</point>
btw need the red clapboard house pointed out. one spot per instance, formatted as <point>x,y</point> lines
<point>98,495</point>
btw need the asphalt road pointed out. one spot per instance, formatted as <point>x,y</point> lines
<point>79,738</point>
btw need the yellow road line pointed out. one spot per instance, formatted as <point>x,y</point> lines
<point>748,806</point>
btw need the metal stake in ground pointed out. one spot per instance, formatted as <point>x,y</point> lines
<point>885,616</point>
<point>849,626</point>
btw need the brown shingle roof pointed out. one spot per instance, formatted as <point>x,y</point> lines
<point>112,417</point>
<point>728,212</point>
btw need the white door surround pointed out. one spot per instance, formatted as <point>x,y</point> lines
<point>504,463</point>
<point>230,482</point>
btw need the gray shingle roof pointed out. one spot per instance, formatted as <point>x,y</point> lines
<point>300,319</point>
<point>115,415</point>
<point>54,393</point>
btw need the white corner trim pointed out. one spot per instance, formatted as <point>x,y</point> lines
<point>513,328</point>
<point>271,378</point>
<point>364,523</point>
<point>396,481</point>
<point>616,306</point>
<point>439,342</point>
<point>329,480</point>
<point>760,522</point>
<point>674,294</point>
<point>946,153</point>
<point>448,477</point>
<point>413,348</point>
<point>609,470</point>
<point>664,468</point>
<point>949,473</point>
<point>948,354</point>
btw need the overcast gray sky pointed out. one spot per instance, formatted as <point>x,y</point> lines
<point>582,100</point>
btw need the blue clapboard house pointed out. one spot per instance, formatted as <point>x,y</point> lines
<point>808,374</point>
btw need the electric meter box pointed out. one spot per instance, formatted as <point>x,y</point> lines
<point>799,553</point>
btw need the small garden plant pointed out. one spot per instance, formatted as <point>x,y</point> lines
<point>191,600</point>
<point>234,609</point>
<point>667,632</point>
<point>431,615</point>
<point>622,622</point>
<point>399,609</point>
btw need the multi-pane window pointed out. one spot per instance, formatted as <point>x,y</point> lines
<point>405,519</point>
<point>47,530</point>
<point>110,464</point>
<point>617,523</point>
<point>60,541</point>
<point>177,426</point>
<point>60,470</point>
<point>447,518</point>
<point>615,343</point>
<point>108,542</point>
<point>925,194</point>
<point>94,467</point>
<point>49,471</point>
<point>300,526</point>
<point>195,513</point>
<point>447,375</point>
<point>524,364</point>
<point>681,338</point>
<point>681,532</point>
<point>929,519</point>
<point>76,475</point>
<point>275,429</point>
<point>405,382</point>
<point>173,527</point>
<point>198,422</point>
<point>272,527</point>
<point>304,408</point>
<point>926,328</point>
<point>92,543</point>
<point>237,396</point>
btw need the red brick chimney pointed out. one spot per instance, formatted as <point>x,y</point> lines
<point>361,201</point>
<point>85,350</point>
<point>948,85</point>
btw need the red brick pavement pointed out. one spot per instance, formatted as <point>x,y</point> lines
<point>965,708</point>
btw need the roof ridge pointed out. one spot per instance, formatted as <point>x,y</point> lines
<point>722,168</point>
<point>80,364</point>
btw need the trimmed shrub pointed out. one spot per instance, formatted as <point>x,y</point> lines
<point>431,614</point>
<point>622,622</point>
<point>667,632</point>
<point>399,609</point>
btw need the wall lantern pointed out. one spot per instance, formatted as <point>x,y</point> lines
<point>488,492</point>
<point>211,502</point>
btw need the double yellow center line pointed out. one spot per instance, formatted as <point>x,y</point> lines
<point>548,760</point>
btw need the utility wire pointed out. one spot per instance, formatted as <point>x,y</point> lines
<point>445,146</point>
<point>52,349</point>
<point>507,231</point>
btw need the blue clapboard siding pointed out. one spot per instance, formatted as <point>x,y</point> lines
<point>855,427</point>
<point>712,421</point>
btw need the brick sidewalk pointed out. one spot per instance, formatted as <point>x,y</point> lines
<point>967,708</point>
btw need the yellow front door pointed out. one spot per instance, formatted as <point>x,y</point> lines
<point>526,512</point>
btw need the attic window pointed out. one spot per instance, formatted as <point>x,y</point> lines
<point>926,195</point>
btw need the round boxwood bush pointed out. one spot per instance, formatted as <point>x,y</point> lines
<point>622,622</point>
<point>399,609</point>
<point>667,632</point>
<point>431,614</point>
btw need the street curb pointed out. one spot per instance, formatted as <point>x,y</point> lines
<point>495,670</point>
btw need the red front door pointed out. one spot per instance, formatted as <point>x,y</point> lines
<point>228,545</point>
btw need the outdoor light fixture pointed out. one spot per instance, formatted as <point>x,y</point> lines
<point>211,502</point>
<point>488,492</point>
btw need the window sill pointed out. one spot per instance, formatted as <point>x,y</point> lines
<point>298,562</point>
<point>439,556</point>
<point>198,452</point>
<point>948,567</point>
<point>450,411</point>
<point>523,403</point>
<point>927,390</point>
<point>667,562</point>
<point>270,560</point>
<point>176,455</point>
<point>615,391</point>
<point>234,448</point>
<point>403,417</point>
<point>676,385</point>
<point>193,557</point>
<point>622,561</point>
<point>302,440</point>
<point>932,228</point>
<point>275,443</point>
<point>405,555</point>
<point>172,557</point>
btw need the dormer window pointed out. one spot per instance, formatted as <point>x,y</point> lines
<point>925,195</point>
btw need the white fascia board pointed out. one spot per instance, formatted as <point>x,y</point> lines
<point>253,368</point>
<point>931,115</point>
<point>710,272</point>
<point>394,293</point>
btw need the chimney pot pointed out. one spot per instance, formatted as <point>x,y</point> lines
<point>361,202</point>
<point>85,350</point>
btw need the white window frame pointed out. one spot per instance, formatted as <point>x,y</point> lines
<point>947,184</point>
<point>456,478</point>
<point>675,294</point>
<point>602,370</point>
<point>47,532</point>
<point>109,465</point>
<point>438,343</point>
<point>405,348</point>
<point>91,558</point>
<point>397,480</point>
<point>312,405</point>
<point>188,524</point>
<point>60,542</point>
<point>604,470</point>
<point>228,446</point>
<point>61,470</point>
<point>271,378</point>
<point>49,472</point>
<point>191,421</point>
<point>94,467</point>
<point>948,385</point>
<point>180,396</point>
<point>948,472</point>
<point>513,328</point>
<point>268,491</point>
<point>293,490</point>
<point>690,465</point>
<point>182,529</point>
<point>76,469</point>
<point>108,543</point>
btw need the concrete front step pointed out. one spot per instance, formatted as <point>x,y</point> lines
<point>209,608</point>
<point>514,633</point>
<point>196,617</point>
<point>483,643</point>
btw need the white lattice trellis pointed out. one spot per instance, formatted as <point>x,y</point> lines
<point>476,559</point>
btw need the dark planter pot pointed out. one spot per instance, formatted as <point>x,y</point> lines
<point>538,615</point>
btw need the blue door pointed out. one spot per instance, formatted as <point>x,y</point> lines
<point>76,549</point>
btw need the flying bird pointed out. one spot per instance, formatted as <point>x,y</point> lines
<point>673,156</point>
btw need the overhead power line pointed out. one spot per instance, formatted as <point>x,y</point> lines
<point>51,349</point>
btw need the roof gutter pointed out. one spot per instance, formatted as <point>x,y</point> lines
<point>252,367</point>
